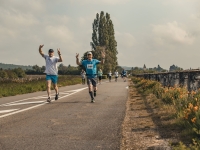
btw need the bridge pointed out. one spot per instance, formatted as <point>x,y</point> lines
<point>187,78</point>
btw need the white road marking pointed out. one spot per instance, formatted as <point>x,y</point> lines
<point>9,114</point>
<point>38,97</point>
<point>25,103</point>
<point>6,111</point>
<point>12,113</point>
<point>63,93</point>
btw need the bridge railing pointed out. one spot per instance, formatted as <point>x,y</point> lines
<point>188,78</point>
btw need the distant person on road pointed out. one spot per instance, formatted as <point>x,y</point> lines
<point>91,72</point>
<point>116,75</point>
<point>51,70</point>
<point>110,76</point>
<point>124,75</point>
<point>100,73</point>
<point>83,76</point>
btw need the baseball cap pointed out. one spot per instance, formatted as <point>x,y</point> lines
<point>51,50</point>
<point>89,53</point>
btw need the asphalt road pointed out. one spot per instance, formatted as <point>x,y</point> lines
<point>27,122</point>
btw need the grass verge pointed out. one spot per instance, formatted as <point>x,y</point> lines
<point>175,112</point>
<point>10,88</point>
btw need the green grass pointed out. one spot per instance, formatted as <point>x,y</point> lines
<point>10,88</point>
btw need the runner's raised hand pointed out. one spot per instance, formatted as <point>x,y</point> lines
<point>41,46</point>
<point>103,54</point>
<point>58,51</point>
<point>77,55</point>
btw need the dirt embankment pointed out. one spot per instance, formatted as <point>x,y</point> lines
<point>144,127</point>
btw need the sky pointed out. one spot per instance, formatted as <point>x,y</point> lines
<point>149,32</point>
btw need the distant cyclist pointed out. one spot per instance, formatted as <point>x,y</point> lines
<point>91,72</point>
<point>116,75</point>
<point>110,76</point>
<point>124,75</point>
<point>83,76</point>
<point>100,73</point>
<point>51,70</point>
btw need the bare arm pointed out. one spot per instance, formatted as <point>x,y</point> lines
<point>103,57</point>
<point>40,50</point>
<point>77,59</point>
<point>59,54</point>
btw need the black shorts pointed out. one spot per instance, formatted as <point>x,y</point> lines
<point>92,81</point>
<point>116,76</point>
<point>100,77</point>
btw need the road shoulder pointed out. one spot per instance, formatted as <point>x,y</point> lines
<point>139,130</point>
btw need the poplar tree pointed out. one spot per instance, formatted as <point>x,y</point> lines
<point>103,38</point>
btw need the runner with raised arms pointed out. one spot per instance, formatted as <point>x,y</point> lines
<point>51,70</point>
<point>91,72</point>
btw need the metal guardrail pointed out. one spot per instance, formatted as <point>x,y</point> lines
<point>187,78</point>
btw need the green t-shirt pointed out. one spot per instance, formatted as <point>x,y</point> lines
<point>100,73</point>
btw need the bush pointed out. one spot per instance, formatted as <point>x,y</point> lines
<point>104,76</point>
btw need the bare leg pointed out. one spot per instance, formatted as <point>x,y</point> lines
<point>90,87</point>
<point>55,87</point>
<point>49,88</point>
<point>95,88</point>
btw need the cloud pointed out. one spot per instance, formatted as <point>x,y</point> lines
<point>86,21</point>
<point>23,6</point>
<point>125,40</point>
<point>172,33</point>
<point>59,33</point>
<point>110,2</point>
<point>17,21</point>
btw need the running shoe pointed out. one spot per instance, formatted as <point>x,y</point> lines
<point>56,97</point>
<point>92,101</point>
<point>49,99</point>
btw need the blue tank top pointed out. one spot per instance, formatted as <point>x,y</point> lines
<point>91,67</point>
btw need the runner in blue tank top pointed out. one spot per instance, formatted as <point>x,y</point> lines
<point>91,72</point>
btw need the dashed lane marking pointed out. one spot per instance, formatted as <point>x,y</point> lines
<point>25,103</point>
<point>6,111</point>
<point>15,111</point>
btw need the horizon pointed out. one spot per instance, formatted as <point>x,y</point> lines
<point>76,66</point>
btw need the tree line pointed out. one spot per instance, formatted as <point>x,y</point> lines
<point>137,70</point>
<point>62,70</point>
<point>12,73</point>
<point>37,70</point>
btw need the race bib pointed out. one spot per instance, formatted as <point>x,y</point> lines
<point>89,66</point>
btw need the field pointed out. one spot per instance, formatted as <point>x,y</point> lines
<point>32,83</point>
